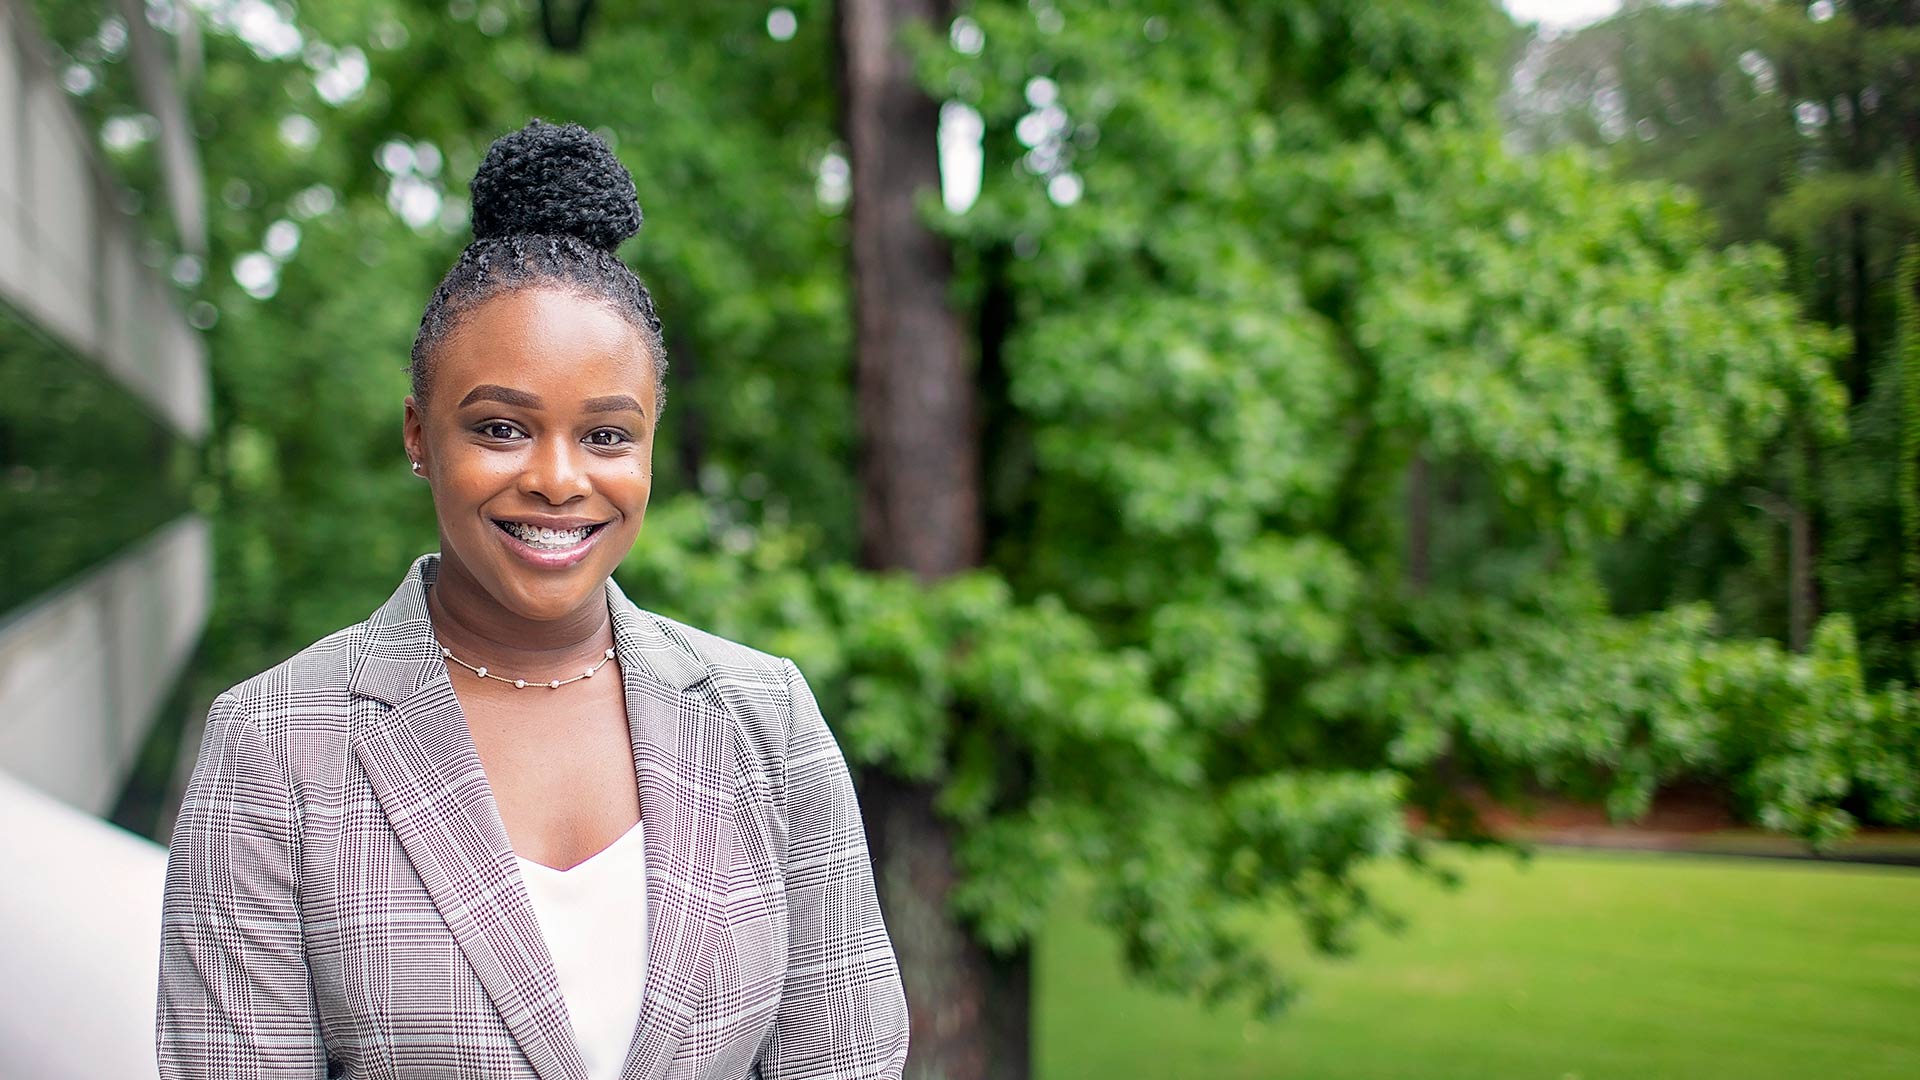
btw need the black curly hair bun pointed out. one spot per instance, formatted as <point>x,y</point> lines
<point>554,180</point>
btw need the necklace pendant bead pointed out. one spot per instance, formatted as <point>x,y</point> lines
<point>609,654</point>
<point>589,673</point>
<point>555,684</point>
<point>519,684</point>
<point>481,671</point>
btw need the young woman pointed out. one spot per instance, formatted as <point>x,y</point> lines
<point>512,825</point>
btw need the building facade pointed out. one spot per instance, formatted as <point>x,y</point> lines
<point>103,401</point>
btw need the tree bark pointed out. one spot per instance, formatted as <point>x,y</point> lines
<point>564,23</point>
<point>1803,590</point>
<point>970,1008</point>
<point>920,511</point>
<point>1802,593</point>
<point>919,460</point>
<point>1907,329</point>
<point>1419,523</point>
<point>690,428</point>
<point>1860,372</point>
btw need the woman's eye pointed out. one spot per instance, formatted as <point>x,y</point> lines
<point>498,430</point>
<point>608,437</point>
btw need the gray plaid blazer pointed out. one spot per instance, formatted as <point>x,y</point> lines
<point>341,899</point>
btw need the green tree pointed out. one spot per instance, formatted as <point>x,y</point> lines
<point>1312,420</point>
<point>1796,123</point>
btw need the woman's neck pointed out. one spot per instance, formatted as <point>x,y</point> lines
<point>475,627</point>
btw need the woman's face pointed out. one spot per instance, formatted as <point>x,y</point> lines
<point>537,440</point>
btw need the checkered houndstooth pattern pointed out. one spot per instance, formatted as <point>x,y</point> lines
<point>342,900</point>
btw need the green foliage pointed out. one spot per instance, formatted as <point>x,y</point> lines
<point>1249,277</point>
<point>1220,382</point>
<point>1227,354</point>
<point>1798,130</point>
<point>1613,709</point>
<point>1575,337</point>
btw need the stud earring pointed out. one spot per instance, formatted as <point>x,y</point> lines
<point>416,467</point>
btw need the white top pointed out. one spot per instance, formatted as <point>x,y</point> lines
<point>594,917</point>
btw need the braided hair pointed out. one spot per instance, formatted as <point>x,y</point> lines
<point>550,205</point>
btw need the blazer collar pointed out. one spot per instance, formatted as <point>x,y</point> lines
<point>423,766</point>
<point>401,653</point>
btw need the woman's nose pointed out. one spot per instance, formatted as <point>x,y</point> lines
<point>556,473</point>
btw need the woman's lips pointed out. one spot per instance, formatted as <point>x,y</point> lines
<point>549,558</point>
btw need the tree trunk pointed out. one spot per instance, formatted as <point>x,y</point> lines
<point>1907,301</point>
<point>920,511</point>
<point>1419,523</point>
<point>969,1007</point>
<point>1009,471</point>
<point>919,460</point>
<point>1860,371</point>
<point>690,428</point>
<point>1802,593</point>
<point>564,23</point>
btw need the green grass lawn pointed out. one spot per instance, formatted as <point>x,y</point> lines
<point>1587,965</point>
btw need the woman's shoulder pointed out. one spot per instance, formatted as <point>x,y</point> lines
<point>382,655</point>
<point>757,687</point>
<point>317,680</point>
<point>721,657</point>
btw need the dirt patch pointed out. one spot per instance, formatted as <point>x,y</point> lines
<point>1695,820</point>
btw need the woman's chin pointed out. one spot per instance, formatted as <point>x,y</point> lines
<point>548,600</point>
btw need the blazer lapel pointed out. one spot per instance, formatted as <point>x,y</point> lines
<point>683,756</point>
<point>425,770</point>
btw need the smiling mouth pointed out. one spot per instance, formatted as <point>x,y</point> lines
<point>541,538</point>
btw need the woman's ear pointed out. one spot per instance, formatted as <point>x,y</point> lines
<point>413,435</point>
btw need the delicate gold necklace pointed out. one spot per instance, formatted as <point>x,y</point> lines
<point>522,684</point>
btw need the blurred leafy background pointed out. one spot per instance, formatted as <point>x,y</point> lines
<point>1385,413</point>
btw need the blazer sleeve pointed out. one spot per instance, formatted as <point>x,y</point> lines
<point>235,1000</point>
<point>843,1013</point>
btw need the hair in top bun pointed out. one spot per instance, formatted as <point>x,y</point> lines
<point>554,180</point>
<point>550,205</point>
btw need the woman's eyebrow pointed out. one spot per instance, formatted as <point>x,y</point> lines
<point>613,403</point>
<point>504,394</point>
